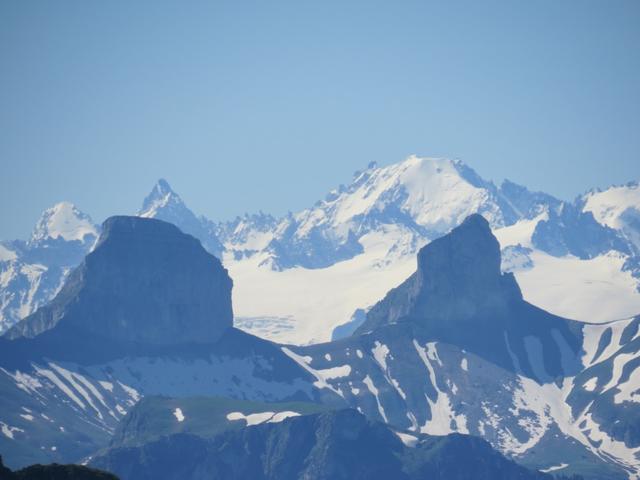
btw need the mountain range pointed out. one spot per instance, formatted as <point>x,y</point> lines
<point>454,350</point>
<point>453,307</point>
<point>311,276</point>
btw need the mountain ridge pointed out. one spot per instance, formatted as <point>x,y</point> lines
<point>367,233</point>
<point>333,445</point>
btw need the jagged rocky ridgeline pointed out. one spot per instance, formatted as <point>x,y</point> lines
<point>454,349</point>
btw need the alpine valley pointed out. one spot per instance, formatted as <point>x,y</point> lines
<point>420,322</point>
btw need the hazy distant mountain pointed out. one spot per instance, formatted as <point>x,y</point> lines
<point>164,204</point>
<point>32,272</point>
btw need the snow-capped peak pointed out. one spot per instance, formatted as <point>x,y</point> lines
<point>160,197</point>
<point>436,193</point>
<point>65,221</point>
<point>617,207</point>
<point>609,205</point>
<point>164,204</point>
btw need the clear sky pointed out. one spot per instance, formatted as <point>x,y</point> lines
<point>267,105</point>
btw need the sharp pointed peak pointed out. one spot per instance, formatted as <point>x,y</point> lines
<point>159,197</point>
<point>161,189</point>
<point>163,185</point>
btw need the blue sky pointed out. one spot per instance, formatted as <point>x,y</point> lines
<point>247,105</point>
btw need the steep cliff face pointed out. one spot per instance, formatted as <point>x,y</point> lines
<point>459,295</point>
<point>145,282</point>
<point>458,278</point>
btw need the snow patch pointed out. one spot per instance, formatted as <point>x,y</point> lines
<point>464,364</point>
<point>554,468</point>
<point>132,392</point>
<point>442,413</point>
<point>374,391</point>
<point>108,386</point>
<point>408,439</point>
<point>380,353</point>
<point>178,414</point>
<point>8,430</point>
<point>49,375</point>
<point>591,384</point>
<point>321,375</point>
<point>629,391</point>
<point>280,416</point>
<point>261,417</point>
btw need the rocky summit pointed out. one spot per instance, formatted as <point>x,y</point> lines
<point>145,282</point>
<point>458,278</point>
<point>459,295</point>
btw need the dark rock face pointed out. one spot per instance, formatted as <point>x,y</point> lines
<point>458,277</point>
<point>526,202</point>
<point>568,230</point>
<point>334,445</point>
<point>315,250</point>
<point>145,282</point>
<point>460,296</point>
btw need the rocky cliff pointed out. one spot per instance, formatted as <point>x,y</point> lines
<point>145,282</point>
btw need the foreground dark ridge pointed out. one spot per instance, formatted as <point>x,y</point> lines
<point>54,472</point>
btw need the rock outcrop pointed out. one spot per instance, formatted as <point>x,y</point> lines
<point>458,278</point>
<point>459,295</point>
<point>145,282</point>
